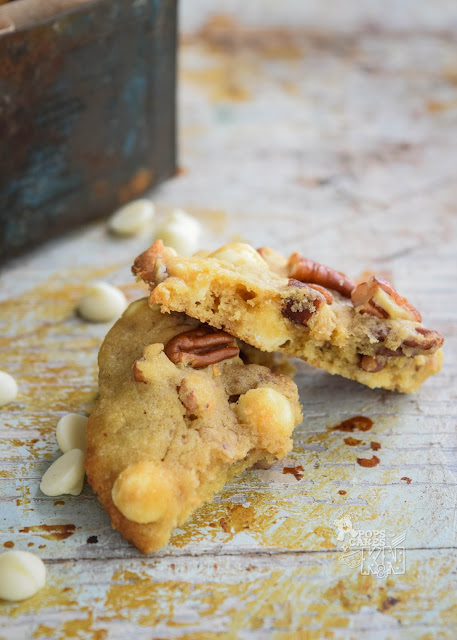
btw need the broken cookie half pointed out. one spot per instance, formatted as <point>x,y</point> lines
<point>179,415</point>
<point>366,332</point>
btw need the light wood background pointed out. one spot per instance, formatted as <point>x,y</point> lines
<point>314,126</point>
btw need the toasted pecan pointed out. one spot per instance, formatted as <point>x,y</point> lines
<point>378,298</point>
<point>426,340</point>
<point>308,271</point>
<point>372,364</point>
<point>201,347</point>
<point>145,266</point>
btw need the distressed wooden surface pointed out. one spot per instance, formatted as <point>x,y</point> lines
<point>339,144</point>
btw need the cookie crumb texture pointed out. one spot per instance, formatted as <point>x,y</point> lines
<point>365,332</point>
<point>164,437</point>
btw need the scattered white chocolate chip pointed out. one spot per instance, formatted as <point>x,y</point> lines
<point>8,388</point>
<point>71,432</point>
<point>22,574</point>
<point>102,302</point>
<point>65,475</point>
<point>239,254</point>
<point>132,218</point>
<point>181,232</point>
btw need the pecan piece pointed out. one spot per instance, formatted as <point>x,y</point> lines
<point>138,374</point>
<point>427,340</point>
<point>390,353</point>
<point>325,292</point>
<point>426,343</point>
<point>201,347</point>
<point>295,311</point>
<point>372,364</point>
<point>306,270</point>
<point>378,298</point>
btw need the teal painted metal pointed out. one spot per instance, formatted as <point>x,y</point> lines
<point>87,116</point>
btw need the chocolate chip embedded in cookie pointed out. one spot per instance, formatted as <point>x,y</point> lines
<point>179,415</point>
<point>367,332</point>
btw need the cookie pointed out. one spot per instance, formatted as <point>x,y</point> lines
<point>178,416</point>
<point>366,332</point>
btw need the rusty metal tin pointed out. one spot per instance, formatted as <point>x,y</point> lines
<point>87,116</point>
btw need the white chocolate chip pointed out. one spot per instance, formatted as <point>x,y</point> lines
<point>8,388</point>
<point>132,218</point>
<point>387,302</point>
<point>22,574</point>
<point>267,411</point>
<point>181,232</point>
<point>239,254</point>
<point>71,432</point>
<point>65,475</point>
<point>143,492</point>
<point>102,302</point>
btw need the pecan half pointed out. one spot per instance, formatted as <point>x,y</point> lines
<point>295,311</point>
<point>378,298</point>
<point>306,270</point>
<point>201,347</point>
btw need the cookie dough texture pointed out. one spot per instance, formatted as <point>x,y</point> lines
<point>164,438</point>
<point>253,297</point>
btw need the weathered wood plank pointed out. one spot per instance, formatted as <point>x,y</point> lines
<point>299,596</point>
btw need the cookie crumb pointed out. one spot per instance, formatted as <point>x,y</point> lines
<point>297,471</point>
<point>368,462</point>
<point>359,423</point>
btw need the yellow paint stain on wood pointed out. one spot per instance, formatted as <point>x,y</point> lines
<point>47,345</point>
<point>263,518</point>
<point>245,604</point>
<point>222,34</point>
<point>77,628</point>
<point>208,635</point>
<point>82,627</point>
<point>139,592</point>
<point>449,615</point>
<point>43,630</point>
<point>49,598</point>
<point>222,84</point>
<point>260,518</point>
<point>326,535</point>
<point>50,301</point>
<point>24,500</point>
<point>438,106</point>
